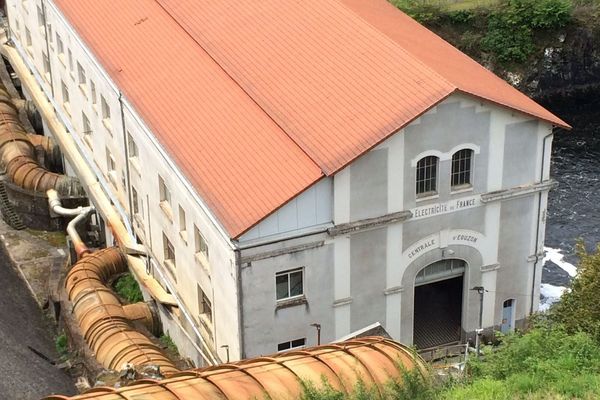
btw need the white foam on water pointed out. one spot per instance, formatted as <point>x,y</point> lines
<point>550,294</point>
<point>556,256</point>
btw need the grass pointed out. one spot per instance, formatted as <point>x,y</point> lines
<point>61,344</point>
<point>171,347</point>
<point>127,288</point>
<point>55,239</point>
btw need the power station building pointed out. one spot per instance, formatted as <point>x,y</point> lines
<point>291,163</point>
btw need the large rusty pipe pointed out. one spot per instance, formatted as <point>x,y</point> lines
<point>104,322</point>
<point>374,361</point>
<point>17,155</point>
<point>87,177</point>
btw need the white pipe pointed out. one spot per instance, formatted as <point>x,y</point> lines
<point>87,176</point>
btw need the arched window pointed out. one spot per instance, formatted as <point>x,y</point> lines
<point>462,162</point>
<point>427,171</point>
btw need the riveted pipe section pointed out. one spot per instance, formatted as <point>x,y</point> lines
<point>373,360</point>
<point>17,155</point>
<point>104,322</point>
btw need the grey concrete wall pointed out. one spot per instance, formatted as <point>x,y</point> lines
<point>369,185</point>
<point>449,126</point>
<point>517,218</point>
<point>520,153</point>
<point>367,279</point>
<point>264,324</point>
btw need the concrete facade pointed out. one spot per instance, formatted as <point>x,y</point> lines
<point>359,237</point>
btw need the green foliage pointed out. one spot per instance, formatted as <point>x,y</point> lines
<point>127,287</point>
<point>511,25</point>
<point>426,12</point>
<point>61,344</point>
<point>579,308</point>
<point>546,362</point>
<point>166,341</point>
<point>412,386</point>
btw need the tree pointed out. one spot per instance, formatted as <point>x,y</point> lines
<point>579,308</point>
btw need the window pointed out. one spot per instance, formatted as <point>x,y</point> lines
<point>87,130</point>
<point>66,99</point>
<point>427,176</point>
<point>93,90</point>
<point>70,61</point>
<point>82,79</point>
<point>40,17</point>
<point>289,284</point>
<point>60,48</point>
<point>110,161</point>
<point>133,153</point>
<point>50,36</point>
<point>135,201</point>
<point>46,66</point>
<point>292,344</point>
<point>182,224</point>
<point>200,245</point>
<point>204,304</point>
<point>165,197</point>
<point>461,168</point>
<point>169,252</point>
<point>29,42</point>
<point>105,113</point>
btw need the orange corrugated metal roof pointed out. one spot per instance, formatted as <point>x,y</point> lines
<point>256,100</point>
<point>465,73</point>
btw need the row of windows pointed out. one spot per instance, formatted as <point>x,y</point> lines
<point>87,87</point>
<point>427,173</point>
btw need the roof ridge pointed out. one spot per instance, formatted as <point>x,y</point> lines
<point>163,7</point>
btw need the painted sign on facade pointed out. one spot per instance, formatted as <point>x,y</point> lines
<point>432,210</point>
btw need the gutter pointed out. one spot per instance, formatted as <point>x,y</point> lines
<point>539,216</point>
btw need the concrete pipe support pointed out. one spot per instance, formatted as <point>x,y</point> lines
<point>18,158</point>
<point>373,360</point>
<point>105,323</point>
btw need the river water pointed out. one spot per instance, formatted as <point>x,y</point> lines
<point>574,207</point>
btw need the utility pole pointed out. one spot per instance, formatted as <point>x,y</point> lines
<point>481,290</point>
<point>318,326</point>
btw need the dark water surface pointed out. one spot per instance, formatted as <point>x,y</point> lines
<point>574,207</point>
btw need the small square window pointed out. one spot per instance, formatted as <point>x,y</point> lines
<point>182,224</point>
<point>82,79</point>
<point>93,90</point>
<point>292,344</point>
<point>40,16</point>
<point>105,114</point>
<point>289,284</point>
<point>70,61</point>
<point>135,201</point>
<point>200,245</point>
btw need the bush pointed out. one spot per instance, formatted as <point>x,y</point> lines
<point>579,308</point>
<point>128,288</point>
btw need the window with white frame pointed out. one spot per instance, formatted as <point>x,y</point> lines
<point>111,167</point>
<point>93,92</point>
<point>169,253</point>
<point>40,17</point>
<point>66,98</point>
<point>87,130</point>
<point>462,162</point>
<point>70,61</point>
<point>427,171</point>
<point>82,79</point>
<point>165,197</point>
<point>50,34</point>
<point>133,153</point>
<point>135,201</point>
<point>28,41</point>
<point>60,48</point>
<point>204,305</point>
<point>289,284</point>
<point>200,245</point>
<point>105,114</point>
<point>46,67</point>
<point>292,344</point>
<point>182,224</point>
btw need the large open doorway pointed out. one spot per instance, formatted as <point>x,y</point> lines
<point>438,304</point>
